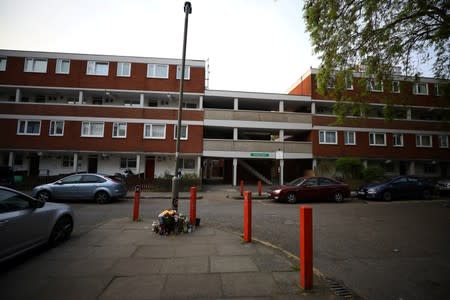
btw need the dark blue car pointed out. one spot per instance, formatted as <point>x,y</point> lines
<point>402,187</point>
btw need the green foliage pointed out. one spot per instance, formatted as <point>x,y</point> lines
<point>371,174</point>
<point>350,167</point>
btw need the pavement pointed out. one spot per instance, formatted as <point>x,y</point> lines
<point>122,259</point>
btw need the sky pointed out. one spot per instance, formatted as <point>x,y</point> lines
<point>251,45</point>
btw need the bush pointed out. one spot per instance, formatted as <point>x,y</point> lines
<point>371,174</point>
<point>350,167</point>
<point>164,183</point>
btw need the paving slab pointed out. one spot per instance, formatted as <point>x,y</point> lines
<point>223,264</point>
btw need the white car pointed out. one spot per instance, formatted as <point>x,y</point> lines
<point>26,223</point>
<point>443,186</point>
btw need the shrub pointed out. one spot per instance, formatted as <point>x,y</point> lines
<point>373,173</point>
<point>350,167</point>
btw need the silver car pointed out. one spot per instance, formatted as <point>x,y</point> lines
<point>26,223</point>
<point>84,186</point>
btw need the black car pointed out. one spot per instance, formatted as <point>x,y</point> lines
<point>401,187</point>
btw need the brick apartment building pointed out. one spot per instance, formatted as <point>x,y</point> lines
<point>63,113</point>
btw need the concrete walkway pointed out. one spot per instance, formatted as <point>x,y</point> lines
<point>122,259</point>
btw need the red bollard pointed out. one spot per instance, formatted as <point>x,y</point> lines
<point>242,187</point>
<point>137,199</point>
<point>193,206</point>
<point>259,187</point>
<point>248,216</point>
<point>306,248</point>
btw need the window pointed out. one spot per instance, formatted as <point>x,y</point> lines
<point>420,88</point>
<point>395,86</point>
<point>375,85</point>
<point>424,140</point>
<point>157,71</point>
<point>436,89</point>
<point>10,201</point>
<point>29,127</point>
<point>35,65</point>
<point>97,68</point>
<point>327,137</point>
<point>187,72</point>
<point>188,164</point>
<point>72,179</point>
<point>377,139</point>
<point>349,138</point>
<point>184,132</point>
<point>331,82</point>
<point>67,161</point>
<point>119,130</point>
<point>430,168</point>
<point>443,141</point>
<point>128,163</point>
<point>123,69</point>
<point>397,139</point>
<point>2,63</point>
<point>92,129</point>
<point>56,128</point>
<point>349,82</point>
<point>62,66</point>
<point>155,131</point>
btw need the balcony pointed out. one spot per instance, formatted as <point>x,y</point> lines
<point>257,116</point>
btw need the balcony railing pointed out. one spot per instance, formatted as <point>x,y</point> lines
<point>257,116</point>
<point>256,146</point>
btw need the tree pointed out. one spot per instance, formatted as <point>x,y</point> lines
<point>378,35</point>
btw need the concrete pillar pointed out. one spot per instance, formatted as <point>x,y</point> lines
<point>281,106</point>
<point>235,134</point>
<point>281,171</point>
<point>365,164</point>
<point>200,102</point>
<point>11,159</point>
<point>80,97</point>
<point>18,95</point>
<point>141,100</point>
<point>412,168</point>
<point>313,108</point>
<point>75,162</point>
<point>199,166</point>
<point>281,135</point>
<point>234,171</point>
<point>138,164</point>
<point>408,114</point>
<point>236,104</point>
<point>314,165</point>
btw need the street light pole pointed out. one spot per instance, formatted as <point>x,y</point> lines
<point>176,176</point>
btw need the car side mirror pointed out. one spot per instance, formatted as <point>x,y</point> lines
<point>37,203</point>
<point>59,182</point>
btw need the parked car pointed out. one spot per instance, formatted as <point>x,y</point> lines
<point>313,188</point>
<point>443,186</point>
<point>6,176</point>
<point>411,187</point>
<point>26,222</point>
<point>86,186</point>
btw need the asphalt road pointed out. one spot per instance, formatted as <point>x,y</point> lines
<point>396,250</point>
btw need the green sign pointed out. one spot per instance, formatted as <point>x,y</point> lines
<point>259,154</point>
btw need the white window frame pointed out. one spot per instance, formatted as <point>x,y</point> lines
<point>151,131</point>
<point>59,66</point>
<point>184,133</point>
<point>3,62</point>
<point>372,85</point>
<point>187,72</point>
<point>116,130</point>
<point>152,71</point>
<point>416,88</point>
<point>91,68</point>
<point>88,125</point>
<point>30,65</point>
<point>443,141</point>
<point>121,68</point>
<point>323,137</point>
<point>349,82</point>
<point>373,139</point>
<point>395,83</point>
<point>420,140</point>
<point>67,161</point>
<point>25,127</point>
<point>346,138</point>
<point>126,161</point>
<point>397,140</point>
<point>52,130</point>
<point>183,163</point>
<point>437,91</point>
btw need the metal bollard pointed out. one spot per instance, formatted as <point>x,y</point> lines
<point>259,187</point>
<point>242,187</point>
<point>193,206</point>
<point>306,248</point>
<point>137,199</point>
<point>248,217</point>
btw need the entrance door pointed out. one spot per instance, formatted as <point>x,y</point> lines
<point>150,168</point>
<point>92,164</point>
<point>34,165</point>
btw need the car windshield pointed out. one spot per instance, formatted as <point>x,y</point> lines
<point>296,181</point>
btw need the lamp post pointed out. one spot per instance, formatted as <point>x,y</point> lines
<point>176,176</point>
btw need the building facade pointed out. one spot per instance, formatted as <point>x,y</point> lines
<point>62,113</point>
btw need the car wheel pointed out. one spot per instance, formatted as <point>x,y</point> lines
<point>387,196</point>
<point>291,198</point>
<point>61,231</point>
<point>426,194</point>
<point>102,197</point>
<point>338,197</point>
<point>44,196</point>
